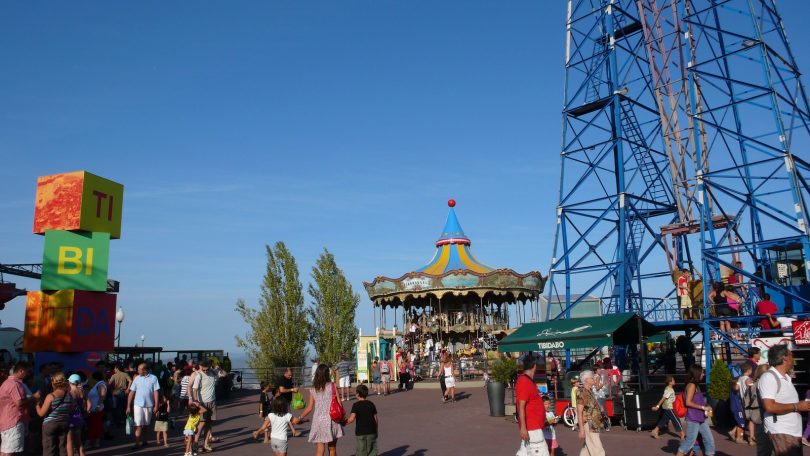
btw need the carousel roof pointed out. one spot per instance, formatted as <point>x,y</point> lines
<point>456,271</point>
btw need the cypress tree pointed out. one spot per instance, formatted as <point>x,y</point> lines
<point>277,336</point>
<point>331,313</point>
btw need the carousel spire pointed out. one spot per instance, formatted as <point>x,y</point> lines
<point>453,250</point>
<point>452,232</point>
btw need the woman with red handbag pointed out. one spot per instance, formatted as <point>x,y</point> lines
<point>327,413</point>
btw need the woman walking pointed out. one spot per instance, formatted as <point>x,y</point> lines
<point>56,409</point>
<point>95,410</point>
<point>324,432</point>
<point>589,416</point>
<point>696,413</point>
<point>446,369</point>
<point>376,377</point>
<point>667,414</point>
<point>76,421</point>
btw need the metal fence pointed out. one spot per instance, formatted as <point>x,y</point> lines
<point>249,378</point>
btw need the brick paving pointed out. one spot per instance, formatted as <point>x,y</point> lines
<point>414,423</point>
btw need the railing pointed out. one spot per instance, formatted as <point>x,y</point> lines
<point>249,378</point>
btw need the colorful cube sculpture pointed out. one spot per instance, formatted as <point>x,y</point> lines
<point>75,261</point>
<point>69,321</point>
<point>78,201</point>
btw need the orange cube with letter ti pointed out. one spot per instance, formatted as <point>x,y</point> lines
<point>78,201</point>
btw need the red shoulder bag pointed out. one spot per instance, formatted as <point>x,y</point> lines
<point>336,411</point>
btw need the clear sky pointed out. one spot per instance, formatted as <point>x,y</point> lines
<point>344,125</point>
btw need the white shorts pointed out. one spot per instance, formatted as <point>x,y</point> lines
<point>450,382</point>
<point>536,446</point>
<point>142,416</point>
<point>345,382</point>
<point>278,445</point>
<point>13,439</point>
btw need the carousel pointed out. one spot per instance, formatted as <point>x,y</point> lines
<point>455,301</point>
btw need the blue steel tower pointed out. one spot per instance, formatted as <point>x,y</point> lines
<point>685,136</point>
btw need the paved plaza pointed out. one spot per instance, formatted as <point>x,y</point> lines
<point>416,423</point>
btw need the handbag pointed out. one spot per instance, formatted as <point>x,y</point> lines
<point>297,401</point>
<point>336,411</point>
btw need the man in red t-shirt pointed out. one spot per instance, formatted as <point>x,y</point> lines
<point>767,308</point>
<point>530,408</point>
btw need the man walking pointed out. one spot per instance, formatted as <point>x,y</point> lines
<point>204,392</point>
<point>344,380</point>
<point>119,383</point>
<point>143,395</point>
<point>531,411</point>
<point>782,418</point>
<point>13,406</point>
<point>285,386</point>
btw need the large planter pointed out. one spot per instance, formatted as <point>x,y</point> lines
<point>496,393</point>
<point>722,419</point>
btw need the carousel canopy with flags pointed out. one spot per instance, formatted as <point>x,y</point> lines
<point>454,272</point>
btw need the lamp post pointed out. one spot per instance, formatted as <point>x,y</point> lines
<point>119,317</point>
<point>143,338</point>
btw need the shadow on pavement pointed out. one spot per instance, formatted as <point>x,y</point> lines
<point>403,451</point>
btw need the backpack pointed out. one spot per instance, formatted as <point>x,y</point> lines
<point>751,404</point>
<point>679,407</point>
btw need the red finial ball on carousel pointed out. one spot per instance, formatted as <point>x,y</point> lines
<point>451,203</point>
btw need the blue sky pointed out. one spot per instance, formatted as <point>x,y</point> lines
<point>344,125</point>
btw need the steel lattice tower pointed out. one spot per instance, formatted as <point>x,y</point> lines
<point>685,130</point>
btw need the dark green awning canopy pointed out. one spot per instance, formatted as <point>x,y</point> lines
<point>589,332</point>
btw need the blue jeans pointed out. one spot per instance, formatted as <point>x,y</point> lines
<point>692,430</point>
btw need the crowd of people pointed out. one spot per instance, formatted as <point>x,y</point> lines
<point>327,418</point>
<point>58,412</point>
<point>765,405</point>
<point>763,401</point>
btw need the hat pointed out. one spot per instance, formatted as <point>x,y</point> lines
<point>75,379</point>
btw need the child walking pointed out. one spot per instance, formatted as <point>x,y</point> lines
<point>548,432</point>
<point>192,425</point>
<point>279,421</point>
<point>736,405</point>
<point>162,421</point>
<point>666,414</point>
<point>265,404</point>
<point>365,414</point>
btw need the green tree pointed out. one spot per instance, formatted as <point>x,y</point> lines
<point>331,313</point>
<point>277,336</point>
<point>720,381</point>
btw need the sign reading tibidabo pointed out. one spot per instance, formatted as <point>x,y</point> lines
<point>801,332</point>
<point>547,345</point>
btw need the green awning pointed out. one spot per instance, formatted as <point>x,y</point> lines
<point>589,332</point>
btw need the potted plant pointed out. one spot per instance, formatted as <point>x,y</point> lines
<point>719,393</point>
<point>500,375</point>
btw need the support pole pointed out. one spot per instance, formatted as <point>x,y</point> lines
<point>643,374</point>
